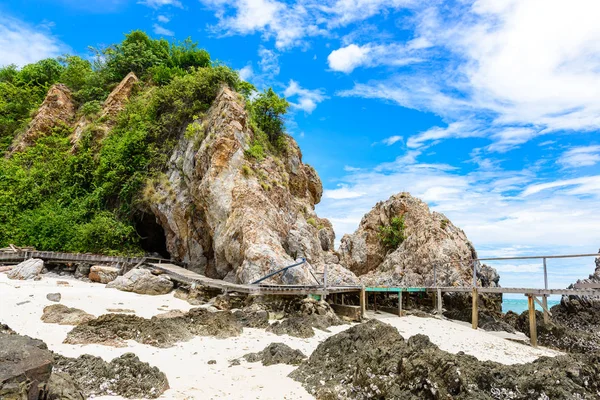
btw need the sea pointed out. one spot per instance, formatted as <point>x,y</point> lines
<point>520,305</point>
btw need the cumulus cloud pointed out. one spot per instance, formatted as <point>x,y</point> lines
<point>504,62</point>
<point>269,61</point>
<point>159,30</point>
<point>583,156</point>
<point>348,58</point>
<point>22,44</point>
<point>307,100</point>
<point>392,140</point>
<point>163,18</point>
<point>246,73</point>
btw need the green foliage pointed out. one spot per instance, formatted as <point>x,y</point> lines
<point>392,235</point>
<point>247,171</point>
<point>256,151</point>
<point>42,73</point>
<point>76,73</point>
<point>267,111</point>
<point>91,108</point>
<point>312,221</point>
<point>444,223</point>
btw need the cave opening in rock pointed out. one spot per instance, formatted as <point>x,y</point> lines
<point>152,236</point>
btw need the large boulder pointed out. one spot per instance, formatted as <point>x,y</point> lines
<point>103,273</point>
<point>25,367</point>
<point>142,281</point>
<point>234,217</point>
<point>430,241</point>
<point>28,269</point>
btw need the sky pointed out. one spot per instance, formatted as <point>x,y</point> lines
<point>487,110</point>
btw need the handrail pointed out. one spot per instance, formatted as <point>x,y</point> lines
<point>279,271</point>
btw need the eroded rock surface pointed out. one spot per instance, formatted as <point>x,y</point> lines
<point>163,331</point>
<point>103,273</point>
<point>276,353</point>
<point>63,315</point>
<point>28,269</point>
<point>57,109</point>
<point>124,376</point>
<point>238,219</point>
<point>142,281</point>
<point>372,360</point>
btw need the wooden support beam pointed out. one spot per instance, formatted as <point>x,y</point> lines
<point>544,305</point>
<point>475,315</point>
<point>363,303</point>
<point>400,303</point>
<point>439,302</point>
<point>532,324</point>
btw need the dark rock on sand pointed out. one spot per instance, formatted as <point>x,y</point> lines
<point>277,353</point>
<point>53,297</point>
<point>63,315</point>
<point>25,367</point>
<point>62,386</point>
<point>251,318</point>
<point>372,361</point>
<point>125,376</point>
<point>115,329</point>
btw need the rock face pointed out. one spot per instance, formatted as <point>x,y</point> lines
<point>25,367</point>
<point>235,218</point>
<point>372,361</point>
<point>142,281</point>
<point>114,103</point>
<point>63,315</point>
<point>430,239</point>
<point>103,273</point>
<point>56,109</point>
<point>276,353</point>
<point>28,269</point>
<point>584,303</point>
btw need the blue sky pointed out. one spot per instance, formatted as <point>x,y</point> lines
<point>487,110</point>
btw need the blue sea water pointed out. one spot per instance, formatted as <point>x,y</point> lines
<point>520,305</point>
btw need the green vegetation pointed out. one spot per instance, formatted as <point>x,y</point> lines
<point>392,235</point>
<point>53,199</point>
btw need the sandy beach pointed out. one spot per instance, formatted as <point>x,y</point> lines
<point>186,364</point>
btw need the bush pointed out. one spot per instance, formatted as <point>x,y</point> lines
<point>256,151</point>
<point>267,111</point>
<point>91,108</point>
<point>392,235</point>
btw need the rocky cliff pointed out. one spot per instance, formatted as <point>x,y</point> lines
<point>57,109</point>
<point>235,217</point>
<point>428,239</point>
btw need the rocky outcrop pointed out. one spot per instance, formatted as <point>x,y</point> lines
<point>576,304</point>
<point>276,353</point>
<point>236,218</point>
<point>28,269</point>
<point>63,315</point>
<point>430,239</point>
<point>103,273</point>
<point>57,109</point>
<point>372,360</point>
<point>142,281</point>
<point>25,367</point>
<point>114,103</point>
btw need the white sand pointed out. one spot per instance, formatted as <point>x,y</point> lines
<point>185,364</point>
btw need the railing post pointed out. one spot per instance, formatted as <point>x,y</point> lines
<point>475,312</point>
<point>400,303</point>
<point>545,297</point>
<point>532,324</point>
<point>434,275</point>
<point>474,273</point>
<point>363,302</point>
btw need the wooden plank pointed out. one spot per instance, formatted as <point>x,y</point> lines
<point>439,302</point>
<point>587,285</point>
<point>400,303</point>
<point>537,292</point>
<point>532,324</point>
<point>363,303</point>
<point>475,312</point>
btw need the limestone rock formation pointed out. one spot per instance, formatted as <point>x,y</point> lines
<point>103,273</point>
<point>234,218</point>
<point>56,109</point>
<point>63,315</point>
<point>28,269</point>
<point>142,281</point>
<point>430,239</point>
<point>114,103</point>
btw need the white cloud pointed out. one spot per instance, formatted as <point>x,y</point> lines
<point>341,193</point>
<point>246,73</point>
<point>504,62</point>
<point>348,58</point>
<point>164,19</point>
<point>269,61</point>
<point>307,100</point>
<point>392,140</point>
<point>584,156</point>
<point>161,3</point>
<point>290,23</point>
<point>22,44</point>
<point>585,185</point>
<point>349,168</point>
<point>159,30</point>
